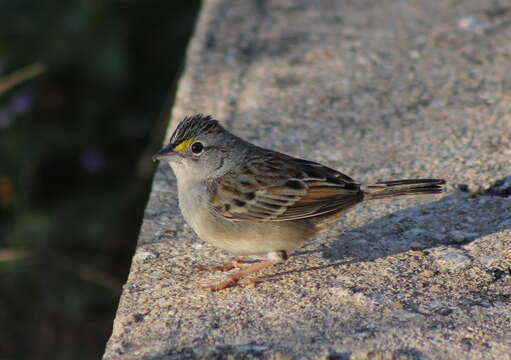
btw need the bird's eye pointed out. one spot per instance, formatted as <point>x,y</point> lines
<point>197,148</point>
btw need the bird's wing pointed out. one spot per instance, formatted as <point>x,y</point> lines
<point>271,187</point>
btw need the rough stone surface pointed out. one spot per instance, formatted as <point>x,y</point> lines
<point>379,89</point>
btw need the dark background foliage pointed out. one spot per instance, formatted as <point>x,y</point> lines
<point>85,91</point>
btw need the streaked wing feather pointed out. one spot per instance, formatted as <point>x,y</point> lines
<point>280,188</point>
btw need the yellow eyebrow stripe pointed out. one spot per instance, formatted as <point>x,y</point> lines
<point>184,144</point>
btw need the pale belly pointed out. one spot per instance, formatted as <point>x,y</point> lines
<point>245,237</point>
<point>251,238</point>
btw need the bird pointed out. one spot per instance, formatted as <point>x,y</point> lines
<point>251,201</point>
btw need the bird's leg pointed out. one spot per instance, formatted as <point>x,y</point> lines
<point>273,258</point>
<point>236,277</point>
<point>236,263</point>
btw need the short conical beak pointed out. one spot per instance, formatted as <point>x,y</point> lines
<point>166,153</point>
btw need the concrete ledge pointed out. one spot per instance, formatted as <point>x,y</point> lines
<point>380,90</point>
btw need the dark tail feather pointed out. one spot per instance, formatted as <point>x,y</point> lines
<point>385,189</point>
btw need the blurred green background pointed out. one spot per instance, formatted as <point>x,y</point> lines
<point>85,92</point>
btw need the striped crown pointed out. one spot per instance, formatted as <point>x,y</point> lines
<point>193,126</point>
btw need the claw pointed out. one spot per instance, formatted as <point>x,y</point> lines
<point>223,267</point>
<point>236,263</point>
<point>247,269</point>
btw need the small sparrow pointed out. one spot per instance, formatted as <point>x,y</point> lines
<point>248,200</point>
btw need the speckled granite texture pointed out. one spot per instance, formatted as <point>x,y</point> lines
<point>380,90</point>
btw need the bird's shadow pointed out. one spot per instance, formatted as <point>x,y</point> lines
<point>455,220</point>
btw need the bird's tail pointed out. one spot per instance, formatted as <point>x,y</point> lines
<point>402,187</point>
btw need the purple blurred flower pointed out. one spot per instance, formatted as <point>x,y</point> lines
<point>93,161</point>
<point>21,102</point>
<point>5,119</point>
<point>18,104</point>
